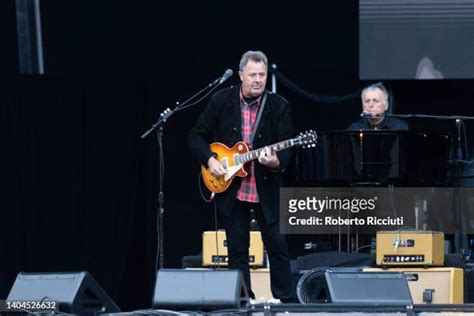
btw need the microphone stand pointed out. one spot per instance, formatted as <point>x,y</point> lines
<point>159,126</point>
<point>458,163</point>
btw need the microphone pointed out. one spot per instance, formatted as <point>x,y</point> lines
<point>370,114</point>
<point>226,75</point>
<point>223,78</point>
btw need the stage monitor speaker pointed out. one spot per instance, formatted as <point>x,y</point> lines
<point>199,290</point>
<point>433,285</point>
<point>386,288</point>
<point>74,292</point>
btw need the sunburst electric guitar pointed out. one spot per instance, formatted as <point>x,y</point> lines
<point>233,159</point>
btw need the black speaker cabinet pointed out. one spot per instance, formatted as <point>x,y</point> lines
<point>387,288</point>
<point>199,290</point>
<point>432,285</point>
<point>75,292</point>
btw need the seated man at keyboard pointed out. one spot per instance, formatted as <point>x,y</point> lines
<point>374,106</point>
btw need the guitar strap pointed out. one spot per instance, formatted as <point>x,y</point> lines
<point>259,116</point>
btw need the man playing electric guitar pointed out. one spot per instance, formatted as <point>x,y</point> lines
<point>258,117</point>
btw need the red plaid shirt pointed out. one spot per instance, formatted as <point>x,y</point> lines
<point>248,187</point>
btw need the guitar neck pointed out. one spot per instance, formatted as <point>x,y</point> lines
<point>254,154</point>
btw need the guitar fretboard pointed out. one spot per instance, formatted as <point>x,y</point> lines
<point>254,154</point>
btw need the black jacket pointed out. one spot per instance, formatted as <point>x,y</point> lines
<point>221,122</point>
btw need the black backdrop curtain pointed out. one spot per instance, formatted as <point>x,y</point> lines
<point>76,188</point>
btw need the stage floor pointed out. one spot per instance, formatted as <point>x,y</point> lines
<point>328,309</point>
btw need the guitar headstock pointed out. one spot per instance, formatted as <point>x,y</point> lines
<point>306,139</point>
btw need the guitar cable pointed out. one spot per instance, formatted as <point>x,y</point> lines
<point>216,226</point>
<point>200,190</point>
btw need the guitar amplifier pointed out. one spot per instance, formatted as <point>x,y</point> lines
<point>211,255</point>
<point>432,285</point>
<point>410,248</point>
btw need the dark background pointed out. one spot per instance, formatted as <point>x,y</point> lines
<point>78,185</point>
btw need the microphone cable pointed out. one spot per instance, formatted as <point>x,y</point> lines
<point>200,99</point>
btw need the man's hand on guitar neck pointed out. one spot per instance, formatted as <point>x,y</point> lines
<point>215,167</point>
<point>269,159</point>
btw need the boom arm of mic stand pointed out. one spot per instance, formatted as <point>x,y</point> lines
<point>438,117</point>
<point>163,117</point>
<point>168,112</point>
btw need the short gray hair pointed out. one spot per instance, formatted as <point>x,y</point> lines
<point>256,56</point>
<point>377,85</point>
